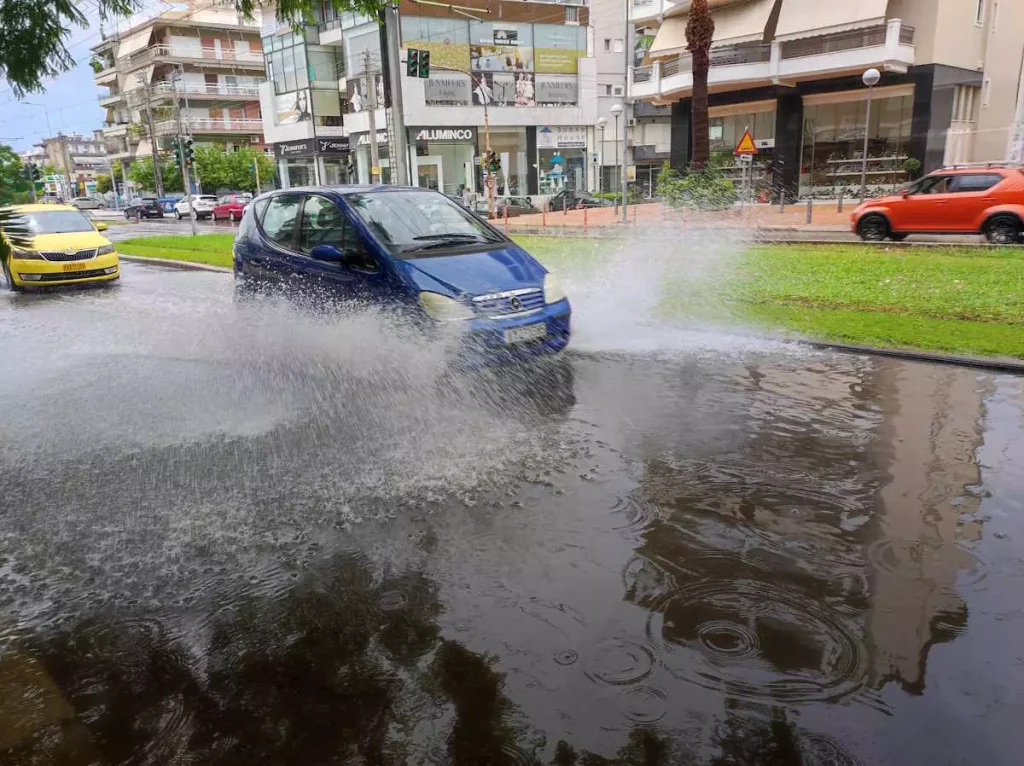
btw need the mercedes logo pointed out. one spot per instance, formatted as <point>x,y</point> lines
<point>514,303</point>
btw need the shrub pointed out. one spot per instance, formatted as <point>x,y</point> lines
<point>705,190</point>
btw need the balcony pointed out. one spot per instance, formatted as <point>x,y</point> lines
<point>111,100</point>
<point>889,47</point>
<point>180,54</point>
<point>650,10</point>
<point>106,76</point>
<point>195,91</point>
<point>112,130</point>
<point>212,126</point>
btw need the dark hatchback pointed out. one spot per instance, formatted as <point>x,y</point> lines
<point>411,249</point>
<point>146,207</point>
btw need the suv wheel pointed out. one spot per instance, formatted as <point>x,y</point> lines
<point>177,214</point>
<point>1003,230</point>
<point>873,228</point>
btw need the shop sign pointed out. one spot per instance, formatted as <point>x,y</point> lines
<point>363,139</point>
<point>444,135</point>
<point>556,60</point>
<point>572,137</point>
<point>764,143</point>
<point>556,90</point>
<point>506,37</point>
<point>304,147</point>
<point>332,146</point>
<point>447,89</point>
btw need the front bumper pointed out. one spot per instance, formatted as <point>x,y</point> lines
<point>484,342</point>
<point>38,273</point>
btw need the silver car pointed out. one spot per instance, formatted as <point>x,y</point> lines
<point>88,203</point>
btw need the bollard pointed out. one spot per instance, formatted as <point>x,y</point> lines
<point>782,200</point>
<point>584,221</point>
<point>809,210</point>
<point>565,206</point>
<point>839,209</point>
<point>506,218</point>
<point>544,215</point>
<point>634,215</point>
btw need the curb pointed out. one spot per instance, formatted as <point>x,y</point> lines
<point>931,357</point>
<point>169,263</point>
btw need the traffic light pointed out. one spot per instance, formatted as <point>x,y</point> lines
<point>412,65</point>
<point>491,162</point>
<point>424,64</point>
<point>177,154</point>
<point>36,174</point>
<point>190,152</point>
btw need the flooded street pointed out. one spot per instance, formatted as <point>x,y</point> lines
<point>236,535</point>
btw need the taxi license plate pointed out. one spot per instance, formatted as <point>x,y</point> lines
<point>74,267</point>
<point>526,333</point>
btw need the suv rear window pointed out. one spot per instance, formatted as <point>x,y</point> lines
<point>974,182</point>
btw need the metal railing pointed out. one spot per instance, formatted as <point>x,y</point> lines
<point>727,56</point>
<point>226,55</point>
<point>682,63</point>
<point>163,89</point>
<point>212,125</point>
<point>870,37</point>
<point>643,74</point>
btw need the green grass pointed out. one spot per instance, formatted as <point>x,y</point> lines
<point>955,299</point>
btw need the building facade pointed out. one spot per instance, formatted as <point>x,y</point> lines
<point>790,72</point>
<point>530,70</point>
<point>77,159</point>
<point>203,61</point>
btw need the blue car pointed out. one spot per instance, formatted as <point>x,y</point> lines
<point>410,249</point>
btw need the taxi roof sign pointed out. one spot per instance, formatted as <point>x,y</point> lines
<point>746,144</point>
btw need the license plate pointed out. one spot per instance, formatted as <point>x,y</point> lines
<point>74,267</point>
<point>526,333</point>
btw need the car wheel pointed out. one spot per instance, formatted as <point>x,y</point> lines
<point>897,237</point>
<point>873,228</point>
<point>1003,230</point>
<point>177,214</point>
<point>127,215</point>
<point>10,280</point>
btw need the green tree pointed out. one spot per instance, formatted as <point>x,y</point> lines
<point>700,30</point>
<point>141,174</point>
<point>14,187</point>
<point>34,33</point>
<point>103,184</point>
<point>221,169</point>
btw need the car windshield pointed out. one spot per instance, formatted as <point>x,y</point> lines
<point>411,223</point>
<point>206,198</point>
<point>57,222</point>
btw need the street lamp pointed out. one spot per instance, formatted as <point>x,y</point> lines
<point>870,78</point>
<point>601,122</point>
<point>616,110</point>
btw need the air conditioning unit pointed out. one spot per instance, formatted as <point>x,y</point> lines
<point>256,139</point>
<point>631,122</point>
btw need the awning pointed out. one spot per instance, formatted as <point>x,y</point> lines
<point>810,18</point>
<point>735,23</point>
<point>135,42</point>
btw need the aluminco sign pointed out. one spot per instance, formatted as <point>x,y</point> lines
<point>446,134</point>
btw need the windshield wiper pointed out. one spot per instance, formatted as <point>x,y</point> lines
<point>453,235</point>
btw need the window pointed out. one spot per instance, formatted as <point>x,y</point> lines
<point>617,90</point>
<point>323,223</point>
<point>607,90</point>
<point>617,45</point>
<point>979,14</point>
<point>57,222</point>
<point>608,44</point>
<point>975,182</point>
<point>986,91</point>
<point>995,16</point>
<point>279,220</point>
<point>930,185</point>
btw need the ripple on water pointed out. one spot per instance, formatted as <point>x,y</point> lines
<point>755,641</point>
<point>567,657</point>
<point>909,558</point>
<point>823,750</point>
<point>619,662</point>
<point>644,705</point>
<point>392,601</point>
<point>635,514</point>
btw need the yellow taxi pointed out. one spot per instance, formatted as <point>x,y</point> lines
<point>66,248</point>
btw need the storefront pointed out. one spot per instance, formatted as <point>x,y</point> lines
<point>833,142</point>
<point>313,161</point>
<point>510,144</point>
<point>444,157</point>
<point>363,165</point>
<point>726,125</point>
<point>561,158</point>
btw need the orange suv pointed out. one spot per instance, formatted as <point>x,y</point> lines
<point>985,200</point>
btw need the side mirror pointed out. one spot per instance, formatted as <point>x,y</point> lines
<point>905,193</point>
<point>100,226</point>
<point>328,253</point>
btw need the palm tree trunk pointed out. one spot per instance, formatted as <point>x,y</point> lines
<point>699,110</point>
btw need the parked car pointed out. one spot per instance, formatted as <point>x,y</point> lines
<point>230,207</point>
<point>572,199</point>
<point>144,207</point>
<point>67,248</point>
<point>202,204</point>
<point>412,249</point>
<point>88,203</point>
<point>960,200</point>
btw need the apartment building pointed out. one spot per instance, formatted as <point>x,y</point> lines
<point>528,65</point>
<point>790,72</point>
<point>202,59</point>
<point>76,157</point>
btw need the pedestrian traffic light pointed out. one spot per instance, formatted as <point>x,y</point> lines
<point>412,65</point>
<point>190,153</point>
<point>424,64</point>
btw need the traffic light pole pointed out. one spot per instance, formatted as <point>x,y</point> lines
<point>401,168</point>
<point>371,109</point>
<point>183,160</point>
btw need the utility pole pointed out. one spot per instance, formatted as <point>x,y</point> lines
<point>182,158</point>
<point>158,180</point>
<point>66,162</point>
<point>256,167</point>
<point>371,106</point>
<point>628,55</point>
<point>401,172</point>
<point>113,183</point>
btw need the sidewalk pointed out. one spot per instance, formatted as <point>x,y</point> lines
<point>824,218</point>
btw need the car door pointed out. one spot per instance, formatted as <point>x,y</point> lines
<point>923,208</point>
<point>974,193</point>
<point>275,260</point>
<point>359,275</point>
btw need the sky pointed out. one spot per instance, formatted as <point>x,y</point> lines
<point>69,102</point>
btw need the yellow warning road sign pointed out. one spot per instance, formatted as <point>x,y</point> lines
<point>746,144</point>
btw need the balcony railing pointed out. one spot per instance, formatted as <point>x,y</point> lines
<point>843,41</point>
<point>211,125</point>
<point>643,74</point>
<point>165,89</point>
<point>225,55</point>
<point>111,99</point>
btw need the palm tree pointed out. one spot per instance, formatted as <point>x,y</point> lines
<point>700,29</point>
<point>13,233</point>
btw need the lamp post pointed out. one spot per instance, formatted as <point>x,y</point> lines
<point>870,78</point>
<point>601,122</point>
<point>616,110</point>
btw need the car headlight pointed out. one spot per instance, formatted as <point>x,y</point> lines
<point>25,255</point>
<point>444,309</point>
<point>105,250</point>
<point>553,292</point>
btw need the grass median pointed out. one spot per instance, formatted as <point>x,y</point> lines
<point>956,299</point>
